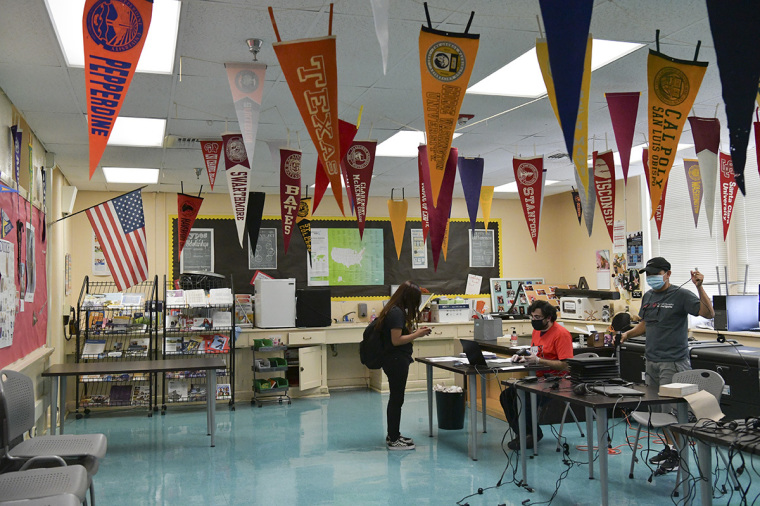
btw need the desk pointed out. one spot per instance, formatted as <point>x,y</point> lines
<point>599,405</point>
<point>138,366</point>
<point>470,372</point>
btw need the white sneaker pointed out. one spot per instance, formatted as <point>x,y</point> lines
<point>399,444</point>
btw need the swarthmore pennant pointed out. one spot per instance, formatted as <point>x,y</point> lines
<point>530,177</point>
<point>114,33</point>
<point>310,69</point>
<point>446,62</point>
<point>604,183</point>
<point>359,162</point>
<point>187,209</point>
<point>238,172</point>
<point>290,191</point>
<point>728,190</point>
<point>211,152</point>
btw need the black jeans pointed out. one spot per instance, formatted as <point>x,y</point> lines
<point>396,367</point>
<point>511,406</point>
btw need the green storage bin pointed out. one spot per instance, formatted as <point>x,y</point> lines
<point>260,385</point>
<point>277,362</point>
<point>262,343</point>
<point>281,382</point>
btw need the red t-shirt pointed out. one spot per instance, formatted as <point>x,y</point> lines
<point>554,344</point>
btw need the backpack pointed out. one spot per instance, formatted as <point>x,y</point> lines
<point>372,349</point>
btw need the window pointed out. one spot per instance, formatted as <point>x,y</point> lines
<point>746,219</point>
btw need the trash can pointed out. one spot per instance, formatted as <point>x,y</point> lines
<point>450,409</point>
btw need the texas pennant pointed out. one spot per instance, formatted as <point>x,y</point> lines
<point>694,186</point>
<point>290,191</point>
<point>446,62</point>
<point>187,209</point>
<point>530,177</point>
<point>311,71</point>
<point>486,199</point>
<point>673,86</point>
<point>114,33</point>
<point>604,184</point>
<point>706,133</point>
<point>397,211</point>
<point>247,86</point>
<point>359,162</point>
<point>728,190</point>
<point>471,176</point>
<point>659,213</point>
<point>734,27</point>
<point>425,202</point>
<point>253,218</point>
<point>346,132</point>
<point>211,152</point>
<point>238,172</point>
<point>439,215</point>
<point>577,204</point>
<point>623,109</point>
<point>303,221</point>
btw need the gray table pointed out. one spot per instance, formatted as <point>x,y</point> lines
<point>62,371</point>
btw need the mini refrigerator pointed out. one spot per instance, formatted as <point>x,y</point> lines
<point>275,303</point>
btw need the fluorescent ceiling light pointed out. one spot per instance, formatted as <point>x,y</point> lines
<point>141,132</point>
<point>512,187</point>
<point>158,53</point>
<point>522,76</point>
<point>403,143</point>
<point>130,175</point>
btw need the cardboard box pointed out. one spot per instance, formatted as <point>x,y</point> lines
<point>596,340</point>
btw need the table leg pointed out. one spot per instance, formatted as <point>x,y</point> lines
<point>705,471</point>
<point>473,416</point>
<point>53,404</point>
<point>521,429</point>
<point>534,421</point>
<point>601,428</point>
<point>62,402</point>
<point>211,403</point>
<point>483,401</point>
<point>429,370</point>
<point>683,417</point>
<point>590,441</point>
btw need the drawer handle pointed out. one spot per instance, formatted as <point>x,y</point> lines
<point>438,333</point>
<point>306,338</point>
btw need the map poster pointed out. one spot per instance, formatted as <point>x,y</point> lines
<point>7,293</point>
<point>198,253</point>
<point>482,252</point>
<point>419,251</point>
<point>99,266</point>
<point>341,258</point>
<point>265,256</point>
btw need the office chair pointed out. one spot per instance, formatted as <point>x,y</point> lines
<point>568,408</point>
<point>17,418</point>
<point>60,486</point>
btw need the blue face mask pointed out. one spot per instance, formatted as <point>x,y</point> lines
<point>656,281</point>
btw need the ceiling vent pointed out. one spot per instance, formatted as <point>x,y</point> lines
<point>173,141</point>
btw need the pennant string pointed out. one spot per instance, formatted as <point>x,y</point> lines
<point>696,53</point>
<point>180,69</point>
<point>540,30</point>
<point>657,39</point>
<point>329,29</point>
<point>371,124</point>
<point>200,191</point>
<point>606,146</point>
<point>359,119</point>
<point>467,28</point>
<point>757,117</point>
<point>427,15</point>
<point>274,24</point>
<point>182,186</point>
<point>716,109</point>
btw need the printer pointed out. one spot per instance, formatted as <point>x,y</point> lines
<point>581,308</point>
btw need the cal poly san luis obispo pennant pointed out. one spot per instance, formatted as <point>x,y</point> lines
<point>114,33</point>
<point>446,62</point>
<point>311,71</point>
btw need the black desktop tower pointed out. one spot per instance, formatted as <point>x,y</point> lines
<point>720,322</point>
<point>313,307</point>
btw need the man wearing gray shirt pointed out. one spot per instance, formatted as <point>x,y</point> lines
<point>664,319</point>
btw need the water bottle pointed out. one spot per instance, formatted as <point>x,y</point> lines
<point>373,316</point>
<point>513,341</point>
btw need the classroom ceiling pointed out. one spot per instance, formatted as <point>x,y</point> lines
<point>197,104</point>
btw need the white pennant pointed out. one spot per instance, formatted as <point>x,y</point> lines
<point>708,166</point>
<point>380,10</point>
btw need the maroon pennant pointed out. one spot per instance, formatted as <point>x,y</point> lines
<point>425,202</point>
<point>530,177</point>
<point>604,182</point>
<point>346,133</point>
<point>187,209</point>
<point>290,191</point>
<point>359,162</point>
<point>211,152</point>
<point>439,216</point>
<point>728,190</point>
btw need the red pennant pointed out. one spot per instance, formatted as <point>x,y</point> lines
<point>604,182</point>
<point>659,213</point>
<point>577,204</point>
<point>623,108</point>
<point>424,177</point>
<point>439,215</point>
<point>359,162</point>
<point>728,190</point>
<point>530,176</point>
<point>347,132</point>
<point>211,151</point>
<point>290,191</point>
<point>114,34</point>
<point>187,209</point>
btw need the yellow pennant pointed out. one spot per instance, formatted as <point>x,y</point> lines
<point>445,245</point>
<point>486,198</point>
<point>397,210</point>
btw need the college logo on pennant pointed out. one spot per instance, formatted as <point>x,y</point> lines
<point>604,184</point>
<point>211,152</point>
<point>446,62</point>
<point>530,177</point>
<point>728,190</point>
<point>187,209</point>
<point>238,172</point>
<point>424,177</point>
<point>359,162</point>
<point>694,186</point>
<point>290,191</point>
<point>114,33</point>
<point>706,133</point>
<point>247,86</point>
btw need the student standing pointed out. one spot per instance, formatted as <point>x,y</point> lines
<point>400,314</point>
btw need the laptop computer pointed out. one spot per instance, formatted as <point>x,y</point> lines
<point>475,356</point>
<point>615,390</point>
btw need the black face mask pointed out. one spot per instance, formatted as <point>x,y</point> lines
<point>538,324</point>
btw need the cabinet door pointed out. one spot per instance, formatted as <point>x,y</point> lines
<point>310,367</point>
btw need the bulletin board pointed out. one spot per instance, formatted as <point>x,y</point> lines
<point>450,278</point>
<point>22,324</point>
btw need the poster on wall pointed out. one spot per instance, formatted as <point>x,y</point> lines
<point>99,265</point>
<point>504,294</point>
<point>198,253</point>
<point>635,250</point>
<point>265,256</point>
<point>419,251</point>
<point>339,257</point>
<point>602,269</point>
<point>7,293</point>
<point>481,248</point>
<point>31,277</point>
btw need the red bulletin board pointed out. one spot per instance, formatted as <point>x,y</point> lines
<point>30,329</point>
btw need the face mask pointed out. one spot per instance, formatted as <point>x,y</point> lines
<point>655,281</point>
<point>538,324</point>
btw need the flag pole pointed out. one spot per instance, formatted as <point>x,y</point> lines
<point>96,205</point>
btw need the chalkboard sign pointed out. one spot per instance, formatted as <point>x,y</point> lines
<point>265,256</point>
<point>198,252</point>
<point>449,278</point>
<point>481,248</point>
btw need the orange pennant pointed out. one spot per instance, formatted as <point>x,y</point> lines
<point>397,210</point>
<point>114,33</point>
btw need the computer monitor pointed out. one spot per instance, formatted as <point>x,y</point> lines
<point>742,312</point>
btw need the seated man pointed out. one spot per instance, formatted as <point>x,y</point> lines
<point>555,345</point>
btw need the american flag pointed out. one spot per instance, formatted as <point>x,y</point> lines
<point>119,225</point>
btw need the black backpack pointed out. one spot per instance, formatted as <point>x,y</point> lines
<point>372,349</point>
